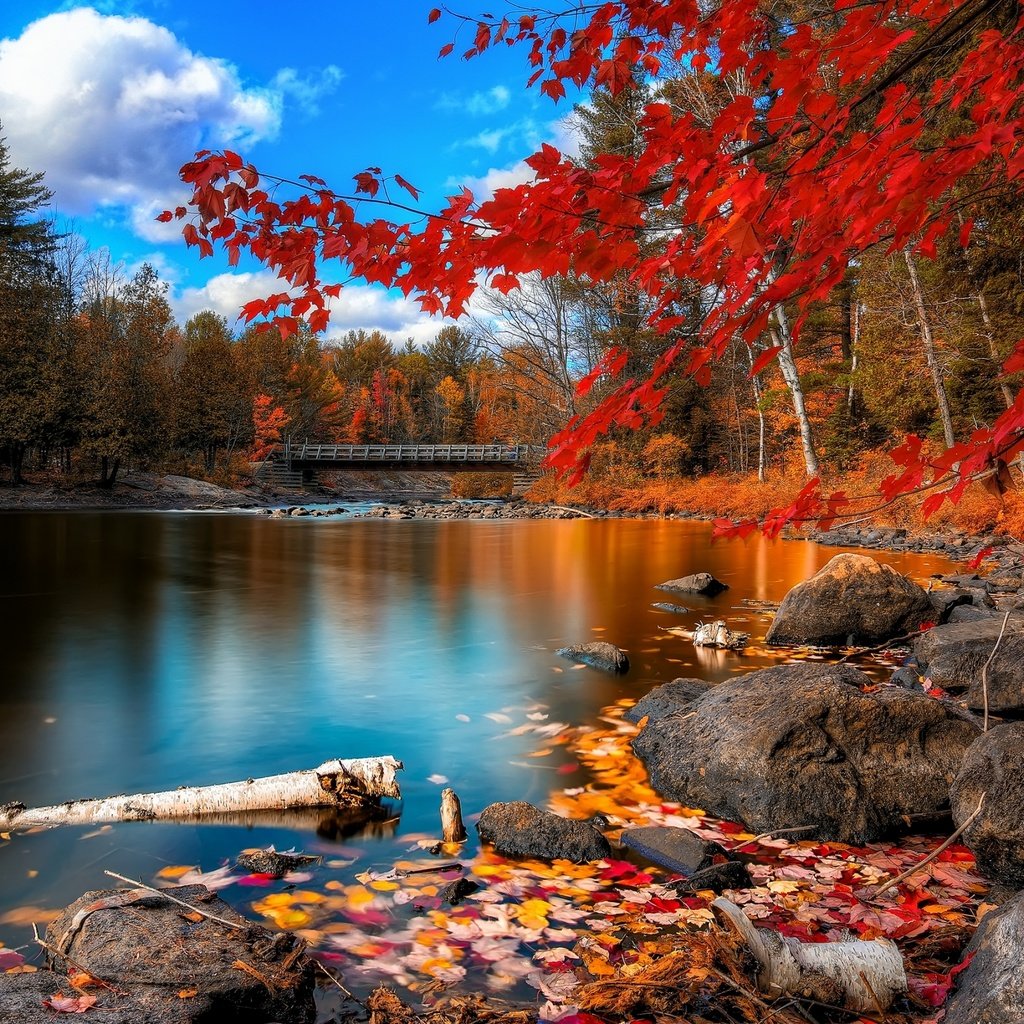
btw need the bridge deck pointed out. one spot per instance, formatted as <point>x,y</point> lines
<point>407,456</point>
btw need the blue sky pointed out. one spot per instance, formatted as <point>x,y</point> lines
<point>110,99</point>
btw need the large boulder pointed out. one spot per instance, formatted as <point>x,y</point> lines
<point>852,599</point>
<point>171,965</point>
<point>990,989</point>
<point>804,745</point>
<point>666,699</point>
<point>952,656</point>
<point>698,583</point>
<point>994,765</point>
<point>518,829</point>
<point>597,654</point>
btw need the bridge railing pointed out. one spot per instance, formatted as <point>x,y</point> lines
<point>490,453</point>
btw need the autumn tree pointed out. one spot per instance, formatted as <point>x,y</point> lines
<point>837,144</point>
<point>27,309</point>
<point>127,340</point>
<point>212,403</point>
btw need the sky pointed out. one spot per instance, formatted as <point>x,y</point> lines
<point>109,100</point>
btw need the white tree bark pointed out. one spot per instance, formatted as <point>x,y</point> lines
<point>787,364</point>
<point>869,974</point>
<point>928,341</point>
<point>350,783</point>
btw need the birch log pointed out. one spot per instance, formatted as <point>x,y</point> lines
<point>352,783</point>
<point>862,975</point>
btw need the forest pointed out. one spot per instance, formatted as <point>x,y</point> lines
<point>97,377</point>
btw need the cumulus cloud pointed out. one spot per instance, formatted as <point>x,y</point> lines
<point>560,134</point>
<point>358,306</point>
<point>489,101</point>
<point>110,106</point>
<point>308,90</point>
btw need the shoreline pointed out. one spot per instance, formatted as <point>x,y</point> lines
<point>169,493</point>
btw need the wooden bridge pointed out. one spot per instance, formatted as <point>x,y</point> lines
<point>477,458</point>
<point>293,466</point>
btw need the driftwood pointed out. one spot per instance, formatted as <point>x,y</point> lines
<point>861,975</point>
<point>351,783</point>
<point>452,828</point>
<point>717,634</point>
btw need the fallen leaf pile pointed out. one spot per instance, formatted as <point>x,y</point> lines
<point>606,938</point>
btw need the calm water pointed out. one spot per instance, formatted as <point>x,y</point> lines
<point>145,651</point>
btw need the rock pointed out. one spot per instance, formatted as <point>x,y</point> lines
<point>944,601</point>
<point>803,745</point>
<point>969,613</point>
<point>851,599</point>
<point>994,765</point>
<point>677,849</point>
<point>518,829</point>
<point>1003,684</point>
<point>665,606</point>
<point>699,583</point>
<point>990,989</point>
<point>597,654</point>
<point>907,677</point>
<point>277,865</point>
<point>455,892</point>
<point>952,655</point>
<point>718,877</point>
<point>147,946</point>
<point>667,699</point>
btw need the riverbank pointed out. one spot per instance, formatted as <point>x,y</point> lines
<point>407,496</point>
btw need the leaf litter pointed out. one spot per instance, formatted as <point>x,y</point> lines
<point>609,940</point>
<point>613,939</point>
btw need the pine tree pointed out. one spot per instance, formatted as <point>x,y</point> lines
<point>25,238</point>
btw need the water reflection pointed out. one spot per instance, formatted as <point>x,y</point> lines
<point>146,651</point>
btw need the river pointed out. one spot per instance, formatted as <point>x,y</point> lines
<point>145,651</point>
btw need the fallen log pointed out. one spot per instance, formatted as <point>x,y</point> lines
<point>859,974</point>
<point>352,783</point>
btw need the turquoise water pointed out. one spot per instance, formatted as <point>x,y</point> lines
<point>144,651</point>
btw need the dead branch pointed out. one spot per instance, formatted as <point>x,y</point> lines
<point>984,671</point>
<point>931,856</point>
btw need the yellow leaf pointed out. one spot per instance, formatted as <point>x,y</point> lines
<point>174,871</point>
<point>381,886</point>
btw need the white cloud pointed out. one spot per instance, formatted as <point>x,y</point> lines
<point>309,90</point>
<point>110,107</point>
<point>560,134</point>
<point>358,306</point>
<point>478,104</point>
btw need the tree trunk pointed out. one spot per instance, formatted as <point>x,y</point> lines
<point>335,783</point>
<point>990,335</point>
<point>755,382</point>
<point>790,374</point>
<point>929,352</point>
<point>851,394</point>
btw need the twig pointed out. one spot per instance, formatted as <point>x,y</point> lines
<point>338,983</point>
<point>776,832</point>
<point>53,951</point>
<point>931,856</point>
<point>882,647</point>
<point>181,903</point>
<point>241,965</point>
<point>578,511</point>
<point>984,671</point>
